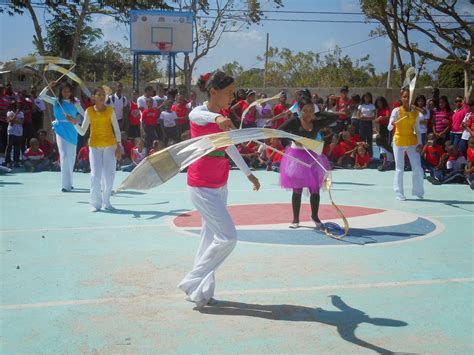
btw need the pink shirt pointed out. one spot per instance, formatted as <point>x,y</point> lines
<point>458,116</point>
<point>209,171</point>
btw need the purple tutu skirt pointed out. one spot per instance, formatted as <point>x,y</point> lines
<point>294,175</point>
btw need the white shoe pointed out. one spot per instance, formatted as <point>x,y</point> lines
<point>294,225</point>
<point>420,197</point>
<point>94,209</point>
<point>401,197</point>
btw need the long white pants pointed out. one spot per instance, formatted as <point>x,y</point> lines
<point>103,164</point>
<point>417,171</point>
<point>67,158</point>
<point>218,239</point>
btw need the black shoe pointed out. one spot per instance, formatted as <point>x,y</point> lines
<point>65,190</point>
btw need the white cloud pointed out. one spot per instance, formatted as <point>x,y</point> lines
<point>331,44</point>
<point>111,29</point>
<point>243,36</point>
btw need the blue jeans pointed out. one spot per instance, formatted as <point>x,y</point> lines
<point>129,168</point>
<point>455,138</point>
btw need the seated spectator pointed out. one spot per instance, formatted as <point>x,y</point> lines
<point>362,157</point>
<point>450,168</point>
<point>45,145</point>
<point>347,148</point>
<point>250,154</point>
<point>127,147</point>
<point>138,154</point>
<point>35,160</point>
<point>386,153</point>
<point>157,146</point>
<point>333,150</point>
<point>83,163</point>
<point>470,163</point>
<point>355,137</point>
<point>431,153</point>
<point>273,157</point>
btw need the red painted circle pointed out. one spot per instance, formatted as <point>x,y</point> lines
<point>275,213</point>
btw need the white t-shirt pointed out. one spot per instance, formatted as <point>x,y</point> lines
<point>190,107</point>
<point>160,99</point>
<point>141,102</point>
<point>466,134</point>
<point>424,116</point>
<point>367,110</point>
<point>15,129</point>
<point>169,118</point>
<point>118,104</point>
<point>456,165</point>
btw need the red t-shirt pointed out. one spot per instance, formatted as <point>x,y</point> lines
<point>384,112</point>
<point>27,108</point>
<point>345,147</point>
<point>470,155</point>
<point>470,122</point>
<point>250,116</point>
<point>337,152</point>
<point>343,104</point>
<point>246,149</point>
<point>4,105</point>
<point>134,117</point>
<point>46,147</point>
<point>362,160</point>
<point>84,153</point>
<point>277,109</point>
<point>225,112</point>
<point>181,111</point>
<point>31,155</point>
<point>150,117</point>
<point>277,156</point>
<point>355,138</point>
<point>433,154</point>
<point>127,148</point>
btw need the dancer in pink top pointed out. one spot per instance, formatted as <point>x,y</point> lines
<point>207,181</point>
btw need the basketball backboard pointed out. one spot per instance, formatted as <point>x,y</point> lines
<point>161,31</point>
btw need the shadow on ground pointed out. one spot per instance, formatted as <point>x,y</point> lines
<point>346,319</point>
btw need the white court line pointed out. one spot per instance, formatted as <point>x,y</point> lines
<point>147,298</point>
<point>82,228</point>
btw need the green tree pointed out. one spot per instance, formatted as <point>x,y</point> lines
<point>437,22</point>
<point>450,76</point>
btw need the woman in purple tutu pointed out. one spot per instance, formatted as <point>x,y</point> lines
<point>294,175</point>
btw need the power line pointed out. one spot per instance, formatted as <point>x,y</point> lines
<point>316,20</point>
<point>320,12</point>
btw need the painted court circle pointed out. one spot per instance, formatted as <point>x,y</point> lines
<point>268,224</point>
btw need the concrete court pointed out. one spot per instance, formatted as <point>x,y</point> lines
<point>77,282</point>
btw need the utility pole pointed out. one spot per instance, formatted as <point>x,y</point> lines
<point>392,54</point>
<point>266,62</point>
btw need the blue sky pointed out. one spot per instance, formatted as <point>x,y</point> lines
<point>245,46</point>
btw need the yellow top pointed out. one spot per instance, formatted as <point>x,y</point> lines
<point>102,134</point>
<point>405,129</point>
